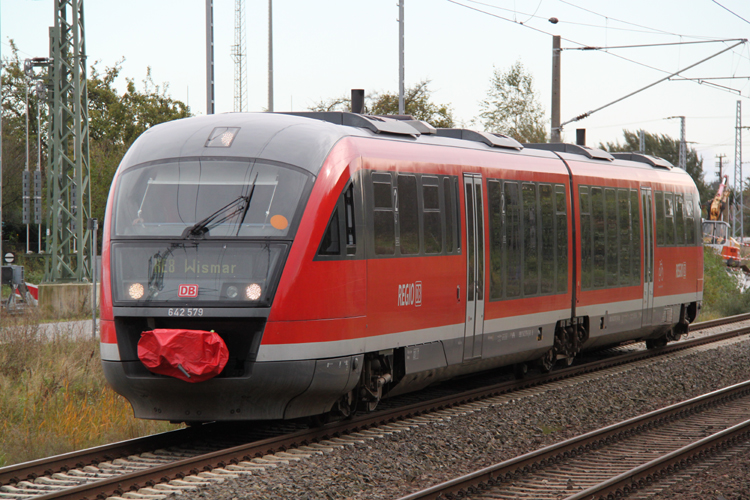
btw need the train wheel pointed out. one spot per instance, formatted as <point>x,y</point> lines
<point>320,420</point>
<point>656,343</point>
<point>520,370</point>
<point>569,360</point>
<point>547,362</point>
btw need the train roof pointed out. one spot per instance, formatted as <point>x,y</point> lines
<point>269,136</point>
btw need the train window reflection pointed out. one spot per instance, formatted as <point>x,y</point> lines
<point>408,215</point>
<point>660,223</point>
<point>384,216</point>
<point>548,238</point>
<point>433,225</point>
<point>224,198</point>
<point>561,225</point>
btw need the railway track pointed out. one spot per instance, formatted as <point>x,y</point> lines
<point>616,461</point>
<point>187,459</point>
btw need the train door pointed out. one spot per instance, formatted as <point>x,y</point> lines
<point>648,256</point>
<point>474,267</point>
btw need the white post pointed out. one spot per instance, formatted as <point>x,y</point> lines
<point>401,105</point>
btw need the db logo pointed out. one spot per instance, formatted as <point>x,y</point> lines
<point>189,291</point>
<point>410,294</point>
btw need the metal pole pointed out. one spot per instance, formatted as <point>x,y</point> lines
<point>683,145</point>
<point>26,192</point>
<point>738,180</point>
<point>38,195</point>
<point>1,161</point>
<point>209,57</point>
<point>270,55</point>
<point>93,226</point>
<point>555,132</point>
<point>401,104</point>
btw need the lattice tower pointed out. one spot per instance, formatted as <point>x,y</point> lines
<point>239,54</point>
<point>68,182</point>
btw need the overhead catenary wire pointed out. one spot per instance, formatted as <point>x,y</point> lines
<point>589,25</point>
<point>566,39</point>
<point>589,113</point>
<point>656,30</point>
<point>730,11</point>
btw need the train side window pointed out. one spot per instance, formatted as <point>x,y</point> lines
<point>660,223</point>
<point>384,216</point>
<point>689,220</point>
<point>597,216</point>
<point>495,205</point>
<point>679,220</point>
<point>513,243</point>
<point>408,215</point>
<point>625,248</point>
<point>669,218</point>
<point>330,245</point>
<point>455,196</point>
<point>547,210</point>
<point>449,201</point>
<point>611,246</point>
<point>480,241</point>
<point>530,239</point>
<point>341,231</point>
<point>635,216</point>
<point>433,224</point>
<point>561,229</point>
<point>587,238</point>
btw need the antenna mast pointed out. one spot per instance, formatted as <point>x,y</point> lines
<point>239,52</point>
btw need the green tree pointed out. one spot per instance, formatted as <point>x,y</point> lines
<point>665,147</point>
<point>512,106</point>
<point>417,103</point>
<point>115,121</point>
<point>14,86</point>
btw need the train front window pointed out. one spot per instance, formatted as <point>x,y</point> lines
<point>208,197</point>
<point>236,273</point>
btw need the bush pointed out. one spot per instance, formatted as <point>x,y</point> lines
<point>722,293</point>
<point>54,398</point>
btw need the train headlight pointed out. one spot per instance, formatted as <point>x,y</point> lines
<point>136,291</point>
<point>232,292</point>
<point>253,291</point>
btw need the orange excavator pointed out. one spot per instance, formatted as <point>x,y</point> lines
<point>716,231</point>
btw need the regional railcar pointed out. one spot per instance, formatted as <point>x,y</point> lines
<point>344,258</point>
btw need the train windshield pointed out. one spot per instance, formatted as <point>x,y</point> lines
<point>208,197</point>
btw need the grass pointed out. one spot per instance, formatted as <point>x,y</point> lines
<point>54,398</point>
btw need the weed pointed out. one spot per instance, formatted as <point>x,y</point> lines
<point>54,398</point>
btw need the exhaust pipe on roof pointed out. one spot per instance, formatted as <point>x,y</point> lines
<point>358,101</point>
<point>580,136</point>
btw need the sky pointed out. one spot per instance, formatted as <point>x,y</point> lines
<point>324,48</point>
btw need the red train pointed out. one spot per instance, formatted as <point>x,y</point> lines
<point>343,258</point>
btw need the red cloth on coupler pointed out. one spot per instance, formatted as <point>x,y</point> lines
<point>189,355</point>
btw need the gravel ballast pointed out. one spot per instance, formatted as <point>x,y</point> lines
<point>405,462</point>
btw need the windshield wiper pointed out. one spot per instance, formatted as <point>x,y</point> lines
<point>156,266</point>
<point>238,206</point>
<point>247,205</point>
